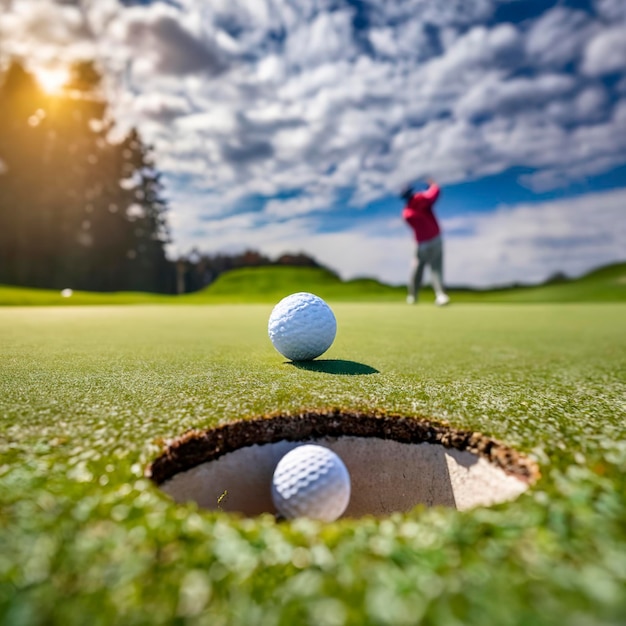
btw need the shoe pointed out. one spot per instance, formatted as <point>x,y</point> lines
<point>442,299</point>
<point>410,299</point>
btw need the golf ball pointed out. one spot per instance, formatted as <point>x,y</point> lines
<point>302,326</point>
<point>311,481</point>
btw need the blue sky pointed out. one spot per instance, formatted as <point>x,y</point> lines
<point>288,126</point>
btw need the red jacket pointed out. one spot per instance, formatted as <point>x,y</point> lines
<point>418,213</point>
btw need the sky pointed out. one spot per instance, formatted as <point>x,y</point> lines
<point>292,125</point>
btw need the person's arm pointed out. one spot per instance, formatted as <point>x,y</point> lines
<point>432,193</point>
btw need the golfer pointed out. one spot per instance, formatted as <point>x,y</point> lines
<point>418,213</point>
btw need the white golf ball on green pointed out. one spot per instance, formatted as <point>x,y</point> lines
<point>302,326</point>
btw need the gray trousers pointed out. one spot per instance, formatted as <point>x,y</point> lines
<point>427,253</point>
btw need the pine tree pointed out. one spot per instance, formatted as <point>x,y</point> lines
<point>76,210</point>
<point>22,165</point>
<point>145,211</point>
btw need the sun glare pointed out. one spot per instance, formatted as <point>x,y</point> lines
<point>51,80</point>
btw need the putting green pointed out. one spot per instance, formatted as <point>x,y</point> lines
<point>89,394</point>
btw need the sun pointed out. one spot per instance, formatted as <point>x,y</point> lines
<point>51,80</point>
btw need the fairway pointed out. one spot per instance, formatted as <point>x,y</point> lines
<point>88,395</point>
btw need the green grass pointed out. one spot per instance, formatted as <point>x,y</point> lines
<point>88,393</point>
<point>607,284</point>
<point>25,296</point>
<point>246,285</point>
<point>269,284</point>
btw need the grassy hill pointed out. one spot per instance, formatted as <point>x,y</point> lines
<point>605,284</point>
<point>266,284</point>
<point>269,284</point>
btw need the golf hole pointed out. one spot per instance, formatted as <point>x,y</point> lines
<point>395,463</point>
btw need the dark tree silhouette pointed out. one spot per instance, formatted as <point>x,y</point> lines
<point>22,136</point>
<point>76,210</point>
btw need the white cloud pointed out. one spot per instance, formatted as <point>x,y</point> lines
<point>270,92</point>
<point>495,96</point>
<point>44,32</point>
<point>530,242</point>
<point>328,37</point>
<point>481,49</point>
<point>163,40</point>
<point>455,13</point>
<point>301,205</point>
<point>606,52</point>
<point>589,106</point>
<point>162,107</point>
<point>558,37</point>
<point>586,150</point>
<point>612,10</point>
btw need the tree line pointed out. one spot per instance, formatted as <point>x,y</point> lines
<point>81,210</point>
<point>76,209</point>
<point>199,270</point>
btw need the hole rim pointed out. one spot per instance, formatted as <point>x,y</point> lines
<point>196,447</point>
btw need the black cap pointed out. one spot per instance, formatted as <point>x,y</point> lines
<point>407,193</point>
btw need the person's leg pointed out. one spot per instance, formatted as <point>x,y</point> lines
<point>436,268</point>
<point>415,280</point>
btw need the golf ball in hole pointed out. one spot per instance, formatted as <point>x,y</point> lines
<point>302,326</point>
<point>311,481</point>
